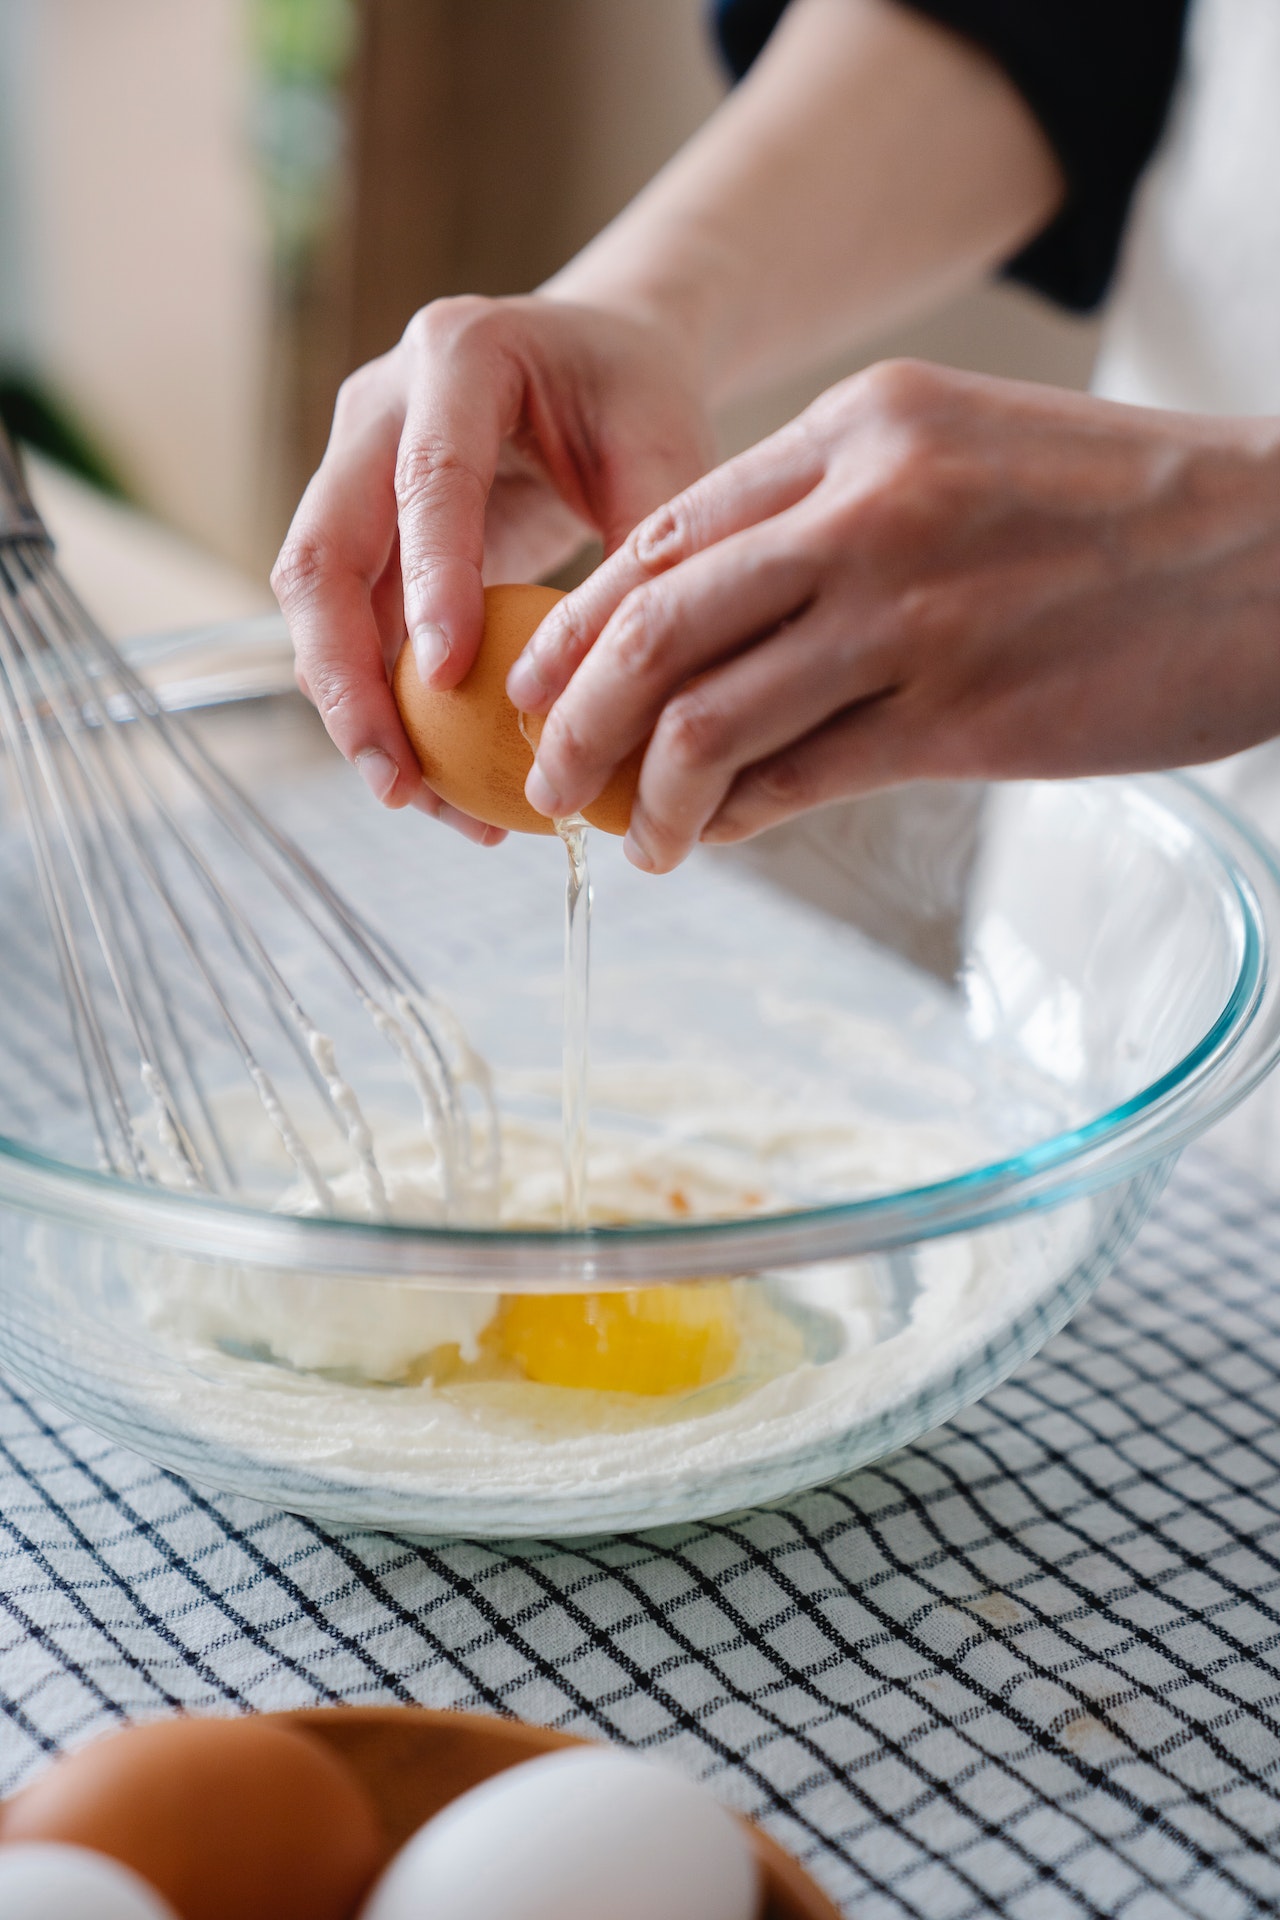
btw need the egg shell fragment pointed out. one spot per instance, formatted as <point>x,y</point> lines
<point>578,1835</point>
<point>45,1881</point>
<point>468,738</point>
<point>222,1817</point>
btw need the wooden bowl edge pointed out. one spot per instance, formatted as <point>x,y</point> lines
<point>790,1894</point>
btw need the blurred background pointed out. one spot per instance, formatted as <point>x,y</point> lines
<point>211,210</point>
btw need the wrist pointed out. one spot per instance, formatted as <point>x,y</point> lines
<point>677,294</point>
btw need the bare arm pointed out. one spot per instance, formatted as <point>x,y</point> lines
<point>870,161</point>
<point>869,164</point>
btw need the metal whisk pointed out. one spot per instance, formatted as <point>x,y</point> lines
<point>200,952</point>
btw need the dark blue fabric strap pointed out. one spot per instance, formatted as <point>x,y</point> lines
<point>1097,74</point>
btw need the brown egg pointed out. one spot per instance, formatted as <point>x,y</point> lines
<point>468,739</point>
<point>223,1817</point>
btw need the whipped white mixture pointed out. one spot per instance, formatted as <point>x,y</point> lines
<point>331,1377</point>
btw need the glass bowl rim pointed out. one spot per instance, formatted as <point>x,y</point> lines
<point>1153,1123</point>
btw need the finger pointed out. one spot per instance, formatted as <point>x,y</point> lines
<point>387,602</point>
<point>652,473</point>
<point>470,828</point>
<point>337,547</point>
<point>754,486</point>
<point>529,531</point>
<point>743,712</point>
<point>388,610</point>
<point>663,634</point>
<point>867,748</point>
<point>465,398</point>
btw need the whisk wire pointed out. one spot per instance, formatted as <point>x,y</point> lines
<point>23,731</point>
<point>114,891</point>
<point>91,849</point>
<point>111,843</point>
<point>112,1129</point>
<point>413,1015</point>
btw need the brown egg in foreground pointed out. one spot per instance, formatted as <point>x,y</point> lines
<point>468,738</point>
<point>222,1817</point>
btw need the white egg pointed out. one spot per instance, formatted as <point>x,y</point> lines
<point>578,1835</point>
<point>47,1881</point>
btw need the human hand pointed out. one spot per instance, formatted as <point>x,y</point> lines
<point>488,444</point>
<point>926,575</point>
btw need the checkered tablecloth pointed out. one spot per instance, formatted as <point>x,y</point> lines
<point>1027,1667</point>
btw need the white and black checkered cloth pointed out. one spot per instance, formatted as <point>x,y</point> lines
<point>1027,1667</point>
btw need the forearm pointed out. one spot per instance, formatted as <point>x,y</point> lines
<point>870,163</point>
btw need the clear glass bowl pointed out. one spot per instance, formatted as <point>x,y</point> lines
<point>926,1060</point>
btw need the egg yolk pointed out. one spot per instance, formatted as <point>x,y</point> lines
<point>649,1340</point>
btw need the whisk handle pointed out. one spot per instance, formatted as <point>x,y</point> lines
<point>18,517</point>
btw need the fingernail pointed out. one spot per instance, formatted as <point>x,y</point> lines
<point>541,795</point>
<point>378,771</point>
<point>638,855</point>
<point>524,684</point>
<point>430,649</point>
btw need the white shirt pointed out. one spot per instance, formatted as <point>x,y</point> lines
<point>1194,318</point>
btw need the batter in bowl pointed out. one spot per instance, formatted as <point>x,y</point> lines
<point>486,1396</point>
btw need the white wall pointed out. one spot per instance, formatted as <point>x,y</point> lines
<point>151,285</point>
<point>18,40</point>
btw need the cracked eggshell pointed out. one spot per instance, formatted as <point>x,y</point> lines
<point>468,738</point>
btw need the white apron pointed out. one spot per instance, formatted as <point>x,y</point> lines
<point>1194,323</point>
<point>1194,317</point>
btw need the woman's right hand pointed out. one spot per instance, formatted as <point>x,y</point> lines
<point>489,444</point>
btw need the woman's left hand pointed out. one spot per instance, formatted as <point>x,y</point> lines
<point>928,574</point>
